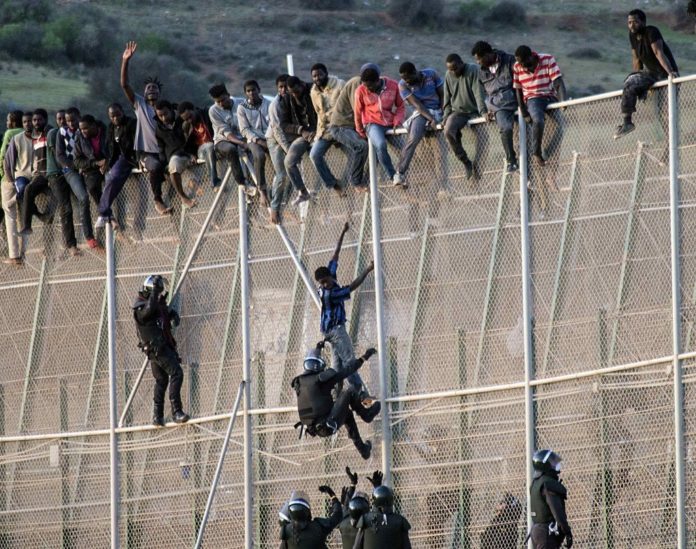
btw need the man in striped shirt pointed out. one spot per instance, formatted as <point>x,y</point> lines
<point>538,82</point>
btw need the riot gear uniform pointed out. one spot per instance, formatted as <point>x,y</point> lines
<point>547,503</point>
<point>319,414</point>
<point>153,321</point>
<point>381,528</point>
<point>358,505</point>
<point>305,532</point>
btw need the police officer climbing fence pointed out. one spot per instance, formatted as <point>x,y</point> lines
<point>547,502</point>
<point>302,531</point>
<point>154,319</point>
<point>319,414</point>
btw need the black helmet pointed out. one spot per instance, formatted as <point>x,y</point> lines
<point>313,362</point>
<point>284,513</point>
<point>152,282</point>
<point>546,461</point>
<point>358,505</point>
<point>382,497</point>
<point>299,510</point>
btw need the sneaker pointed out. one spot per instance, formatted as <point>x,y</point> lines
<point>302,197</point>
<point>511,167</point>
<point>158,421</point>
<point>94,245</point>
<point>161,208</point>
<point>623,129</point>
<point>15,261</point>
<point>365,449</point>
<point>74,251</point>
<point>101,222</point>
<point>398,179</point>
<point>188,202</point>
<point>250,190</point>
<point>180,416</point>
<point>26,231</point>
<point>372,412</point>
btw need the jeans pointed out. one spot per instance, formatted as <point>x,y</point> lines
<point>416,131</point>
<point>61,194</point>
<point>378,136</point>
<point>77,185</point>
<point>342,353</point>
<point>297,150</point>
<point>258,155</point>
<point>356,148</point>
<point>454,125</point>
<point>21,184</point>
<point>279,189</point>
<point>93,182</point>
<point>16,243</point>
<point>506,121</point>
<point>206,152</point>
<point>230,152</point>
<point>115,179</point>
<point>316,155</point>
<point>154,167</point>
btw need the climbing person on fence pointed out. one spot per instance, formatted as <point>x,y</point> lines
<point>321,415</point>
<point>355,505</point>
<point>382,528</point>
<point>503,530</point>
<point>154,320</point>
<point>652,61</point>
<point>547,497</point>
<point>333,314</point>
<point>303,531</point>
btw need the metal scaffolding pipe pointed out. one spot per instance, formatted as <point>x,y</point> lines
<point>299,266</point>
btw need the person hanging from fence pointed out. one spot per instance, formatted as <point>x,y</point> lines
<point>382,528</point>
<point>321,415</point>
<point>652,61</point>
<point>503,530</point>
<point>154,320</point>
<point>304,531</point>
<point>333,314</point>
<point>355,505</point>
<point>547,497</point>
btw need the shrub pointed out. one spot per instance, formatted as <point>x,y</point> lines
<point>507,14</point>
<point>416,13</point>
<point>585,53</point>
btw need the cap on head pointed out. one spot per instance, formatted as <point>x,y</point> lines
<point>371,66</point>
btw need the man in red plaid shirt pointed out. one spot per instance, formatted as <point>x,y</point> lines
<point>538,82</point>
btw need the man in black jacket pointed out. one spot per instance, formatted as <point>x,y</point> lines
<point>298,120</point>
<point>153,320</point>
<point>382,528</point>
<point>174,148</point>
<point>547,497</point>
<point>319,414</point>
<point>120,137</point>
<point>305,532</point>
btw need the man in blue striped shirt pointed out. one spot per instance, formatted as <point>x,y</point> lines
<point>333,313</point>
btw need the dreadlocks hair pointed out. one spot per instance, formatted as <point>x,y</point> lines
<point>153,80</point>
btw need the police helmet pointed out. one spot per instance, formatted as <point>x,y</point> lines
<point>546,461</point>
<point>358,505</point>
<point>284,513</point>
<point>299,510</point>
<point>382,497</point>
<point>154,281</point>
<point>313,362</point>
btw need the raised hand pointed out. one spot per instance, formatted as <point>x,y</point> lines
<point>352,476</point>
<point>376,478</point>
<point>324,489</point>
<point>131,46</point>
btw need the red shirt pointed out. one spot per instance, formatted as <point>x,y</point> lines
<point>385,108</point>
<point>540,82</point>
<point>201,134</point>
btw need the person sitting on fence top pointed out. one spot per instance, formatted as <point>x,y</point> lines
<point>146,148</point>
<point>298,119</point>
<point>277,143</point>
<point>538,82</point>
<point>463,100</point>
<point>652,61</point>
<point>198,132</point>
<point>496,75</point>
<point>324,93</point>
<point>378,108</point>
<point>225,132</point>
<point>14,127</point>
<point>424,91</point>
<point>252,116</point>
<point>174,147</point>
<point>303,531</point>
<point>120,138</point>
<point>17,168</point>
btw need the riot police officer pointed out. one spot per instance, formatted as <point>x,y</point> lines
<point>382,528</point>
<point>305,532</point>
<point>153,320</point>
<point>319,414</point>
<point>355,505</point>
<point>547,503</point>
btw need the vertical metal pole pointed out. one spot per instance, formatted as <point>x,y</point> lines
<point>113,413</point>
<point>246,365</point>
<point>291,64</point>
<point>526,312</point>
<point>676,316</point>
<point>379,305</point>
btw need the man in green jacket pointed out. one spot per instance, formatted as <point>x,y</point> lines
<point>464,100</point>
<point>14,126</point>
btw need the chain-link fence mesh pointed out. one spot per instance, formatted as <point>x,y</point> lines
<point>452,271</point>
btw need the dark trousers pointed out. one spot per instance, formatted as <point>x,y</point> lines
<point>454,125</point>
<point>229,151</point>
<point>166,369</point>
<point>506,122</point>
<point>115,179</point>
<point>154,167</point>
<point>636,87</point>
<point>258,154</point>
<point>347,402</point>
<point>61,194</point>
<point>38,185</point>
<point>93,182</point>
<point>541,539</point>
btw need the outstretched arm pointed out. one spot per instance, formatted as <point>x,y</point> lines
<point>354,285</point>
<point>125,85</point>
<point>340,242</point>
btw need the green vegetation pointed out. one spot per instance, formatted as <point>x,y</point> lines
<point>28,85</point>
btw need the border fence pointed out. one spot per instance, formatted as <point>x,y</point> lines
<point>553,307</point>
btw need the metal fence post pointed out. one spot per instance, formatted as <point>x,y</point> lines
<point>113,412</point>
<point>246,366</point>
<point>526,313</point>
<point>676,316</point>
<point>379,305</point>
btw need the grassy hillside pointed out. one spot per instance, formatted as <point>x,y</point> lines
<point>33,85</point>
<point>232,41</point>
